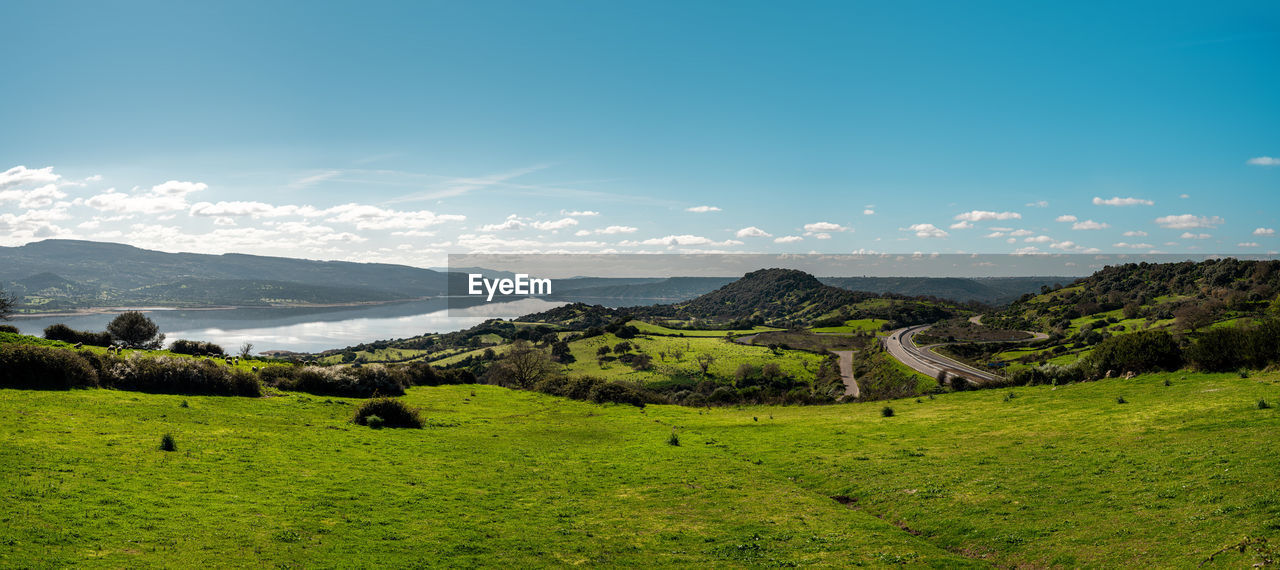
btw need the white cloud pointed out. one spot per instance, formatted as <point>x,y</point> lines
<point>1264,232</point>
<point>702,209</point>
<point>753,231</point>
<point>23,176</point>
<point>1264,161</point>
<point>1038,204</point>
<point>1066,218</point>
<point>366,217</point>
<point>1135,233</point>
<point>178,188</point>
<point>41,197</point>
<point>1089,225</point>
<point>994,235</point>
<point>983,215</point>
<point>579,213</point>
<point>788,239</point>
<point>1189,235</point>
<point>681,240</point>
<point>608,231</point>
<point>1118,201</point>
<point>1133,245</point>
<point>1038,239</point>
<point>512,223</point>
<point>1184,196</point>
<point>821,235</point>
<point>1020,233</point>
<point>560,224</point>
<point>961,225</point>
<point>1029,250</point>
<point>1247,244</point>
<point>224,221</point>
<point>927,231</point>
<point>1188,221</point>
<point>252,209</point>
<point>868,212</point>
<point>824,227</point>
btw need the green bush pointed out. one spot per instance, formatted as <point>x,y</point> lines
<point>9,329</point>
<point>167,443</point>
<point>723,395</point>
<point>1263,404</point>
<point>364,382</point>
<point>67,334</point>
<point>196,348</point>
<point>31,367</point>
<point>392,412</point>
<point>886,412</point>
<point>617,393</point>
<point>176,375</point>
<point>374,422</point>
<point>673,439</point>
<point>1137,352</point>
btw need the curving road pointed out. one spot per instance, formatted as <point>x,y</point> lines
<point>924,360</point>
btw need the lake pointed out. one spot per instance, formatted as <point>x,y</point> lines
<point>303,329</point>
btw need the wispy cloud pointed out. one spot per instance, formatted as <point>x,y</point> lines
<point>1189,221</point>
<point>702,209</point>
<point>1118,201</point>
<point>1263,161</point>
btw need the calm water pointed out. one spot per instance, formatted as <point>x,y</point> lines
<point>309,329</point>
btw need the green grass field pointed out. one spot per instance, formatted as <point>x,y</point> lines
<point>855,325</point>
<point>652,329</point>
<point>1053,477</point>
<point>728,356</point>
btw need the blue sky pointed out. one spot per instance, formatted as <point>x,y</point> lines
<point>401,131</point>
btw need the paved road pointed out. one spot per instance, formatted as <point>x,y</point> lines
<point>846,365</point>
<point>922,359</point>
<point>846,373</point>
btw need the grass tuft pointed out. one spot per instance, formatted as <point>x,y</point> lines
<point>886,412</point>
<point>673,439</point>
<point>167,443</point>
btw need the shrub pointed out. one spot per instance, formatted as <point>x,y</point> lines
<point>196,348</point>
<point>32,367</point>
<point>616,393</point>
<point>65,333</point>
<point>673,439</point>
<point>1136,352</point>
<point>9,329</point>
<point>392,412</point>
<point>363,382</point>
<point>1263,404</point>
<point>175,375</point>
<point>580,388</point>
<point>723,395</point>
<point>886,412</point>
<point>1121,400</point>
<point>374,422</point>
<point>167,443</point>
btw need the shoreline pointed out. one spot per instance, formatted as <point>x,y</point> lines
<point>106,310</point>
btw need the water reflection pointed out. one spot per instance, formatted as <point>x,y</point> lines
<point>303,329</point>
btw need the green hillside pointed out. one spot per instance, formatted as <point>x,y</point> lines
<point>1052,477</point>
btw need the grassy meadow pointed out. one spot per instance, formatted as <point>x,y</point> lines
<point>1047,476</point>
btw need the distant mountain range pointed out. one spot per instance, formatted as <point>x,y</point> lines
<point>55,275</point>
<point>66,274</point>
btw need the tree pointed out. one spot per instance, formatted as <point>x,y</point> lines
<point>622,347</point>
<point>602,352</point>
<point>704,362</point>
<point>135,330</point>
<point>525,365</point>
<point>6,305</point>
<point>246,350</point>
